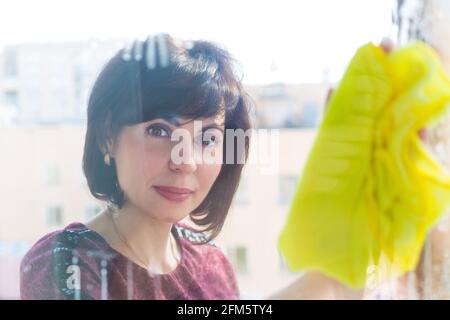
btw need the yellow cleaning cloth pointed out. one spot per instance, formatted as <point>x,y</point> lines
<point>370,189</point>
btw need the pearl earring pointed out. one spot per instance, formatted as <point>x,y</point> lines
<point>106,159</point>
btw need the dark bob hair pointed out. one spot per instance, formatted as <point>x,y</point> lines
<point>200,80</point>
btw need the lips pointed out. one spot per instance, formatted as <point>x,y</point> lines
<point>174,194</point>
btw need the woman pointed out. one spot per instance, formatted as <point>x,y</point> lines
<point>136,248</point>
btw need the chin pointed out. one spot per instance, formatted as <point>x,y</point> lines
<point>175,219</point>
<point>170,216</point>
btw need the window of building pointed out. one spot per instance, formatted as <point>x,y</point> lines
<point>242,196</point>
<point>11,98</point>
<point>310,115</point>
<point>54,216</point>
<point>239,258</point>
<point>287,187</point>
<point>52,175</point>
<point>10,63</point>
<point>91,211</point>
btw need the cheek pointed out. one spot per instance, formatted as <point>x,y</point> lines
<point>137,164</point>
<point>207,174</point>
<point>128,167</point>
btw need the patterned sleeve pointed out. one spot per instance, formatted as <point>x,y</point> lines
<point>57,268</point>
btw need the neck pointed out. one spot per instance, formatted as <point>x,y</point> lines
<point>150,241</point>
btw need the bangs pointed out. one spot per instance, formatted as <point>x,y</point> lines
<point>192,97</point>
<point>196,84</point>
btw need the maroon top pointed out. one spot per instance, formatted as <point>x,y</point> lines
<point>77,263</point>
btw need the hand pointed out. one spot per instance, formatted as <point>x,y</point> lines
<point>387,45</point>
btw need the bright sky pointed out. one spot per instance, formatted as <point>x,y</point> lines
<point>303,37</point>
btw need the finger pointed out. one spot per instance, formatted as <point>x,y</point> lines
<point>329,93</point>
<point>387,45</point>
<point>423,134</point>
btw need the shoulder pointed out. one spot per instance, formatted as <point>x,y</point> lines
<point>197,244</point>
<point>73,238</point>
<point>192,235</point>
<point>53,259</point>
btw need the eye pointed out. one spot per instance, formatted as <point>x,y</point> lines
<point>157,130</point>
<point>211,140</point>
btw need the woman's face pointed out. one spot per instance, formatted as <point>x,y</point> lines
<point>149,174</point>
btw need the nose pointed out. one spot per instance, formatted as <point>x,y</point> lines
<point>186,163</point>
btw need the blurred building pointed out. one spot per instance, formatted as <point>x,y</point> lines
<point>49,83</point>
<point>282,105</point>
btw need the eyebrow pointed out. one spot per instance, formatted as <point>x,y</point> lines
<point>176,121</point>
<point>213,126</point>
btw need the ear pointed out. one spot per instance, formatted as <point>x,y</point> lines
<point>109,148</point>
